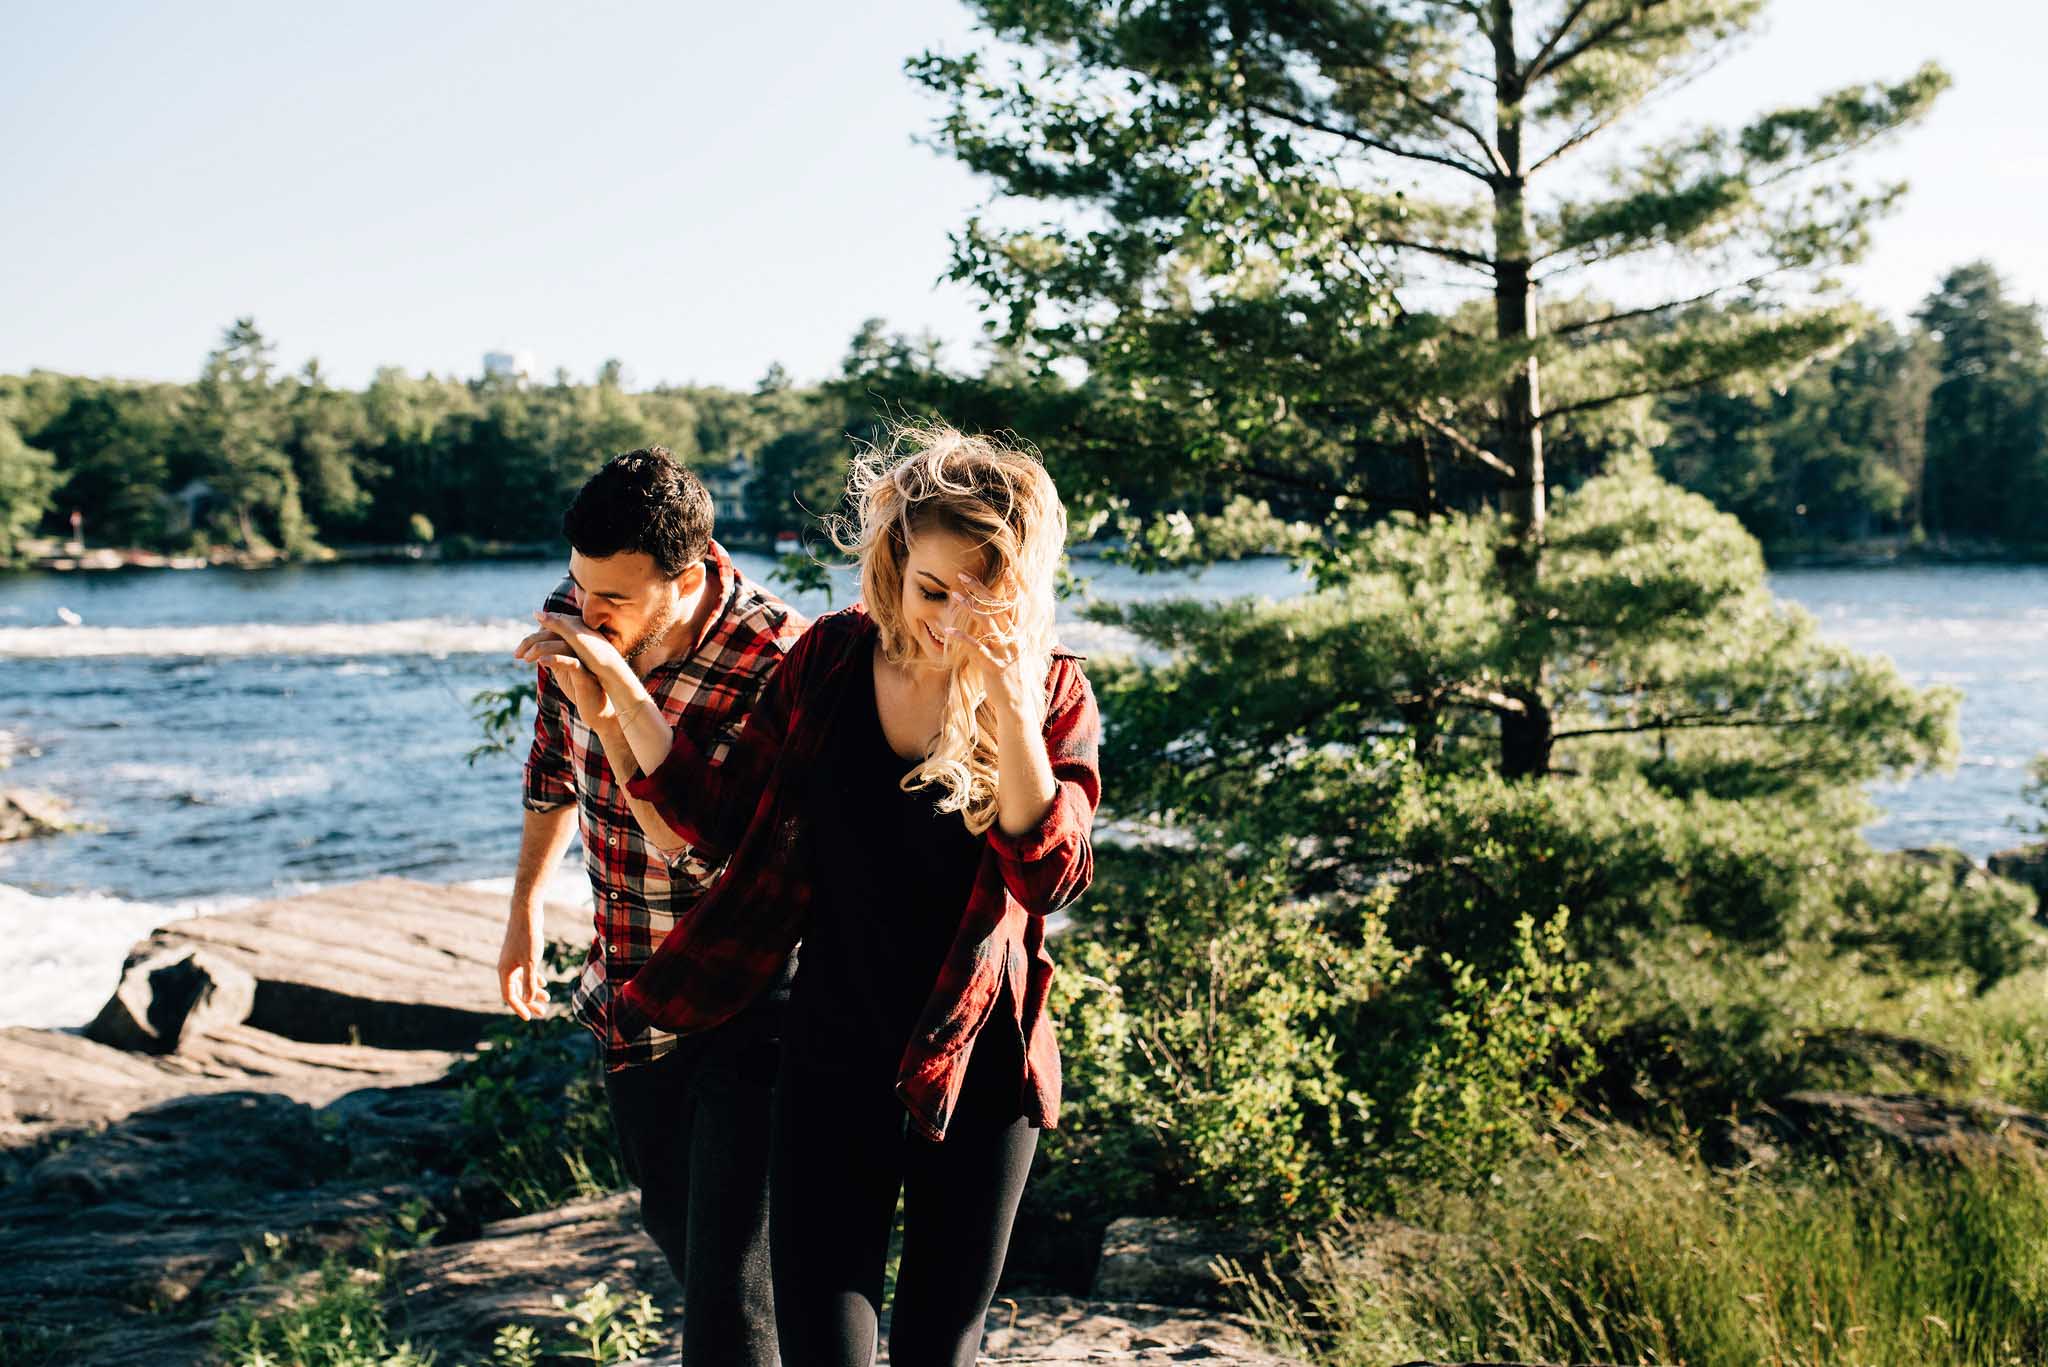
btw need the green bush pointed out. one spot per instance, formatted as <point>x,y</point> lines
<point>1231,1046</point>
<point>533,1108</point>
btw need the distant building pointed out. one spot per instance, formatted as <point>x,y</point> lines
<point>727,485</point>
<point>520,367</point>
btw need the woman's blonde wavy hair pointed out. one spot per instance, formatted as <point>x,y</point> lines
<point>997,494</point>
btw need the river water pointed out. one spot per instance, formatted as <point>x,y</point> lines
<point>242,734</point>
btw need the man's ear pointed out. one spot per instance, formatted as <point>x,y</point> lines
<point>690,580</point>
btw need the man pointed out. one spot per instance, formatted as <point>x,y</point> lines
<point>691,1115</point>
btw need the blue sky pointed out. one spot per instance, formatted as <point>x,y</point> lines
<point>698,190</point>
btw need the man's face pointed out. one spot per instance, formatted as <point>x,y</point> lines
<point>628,600</point>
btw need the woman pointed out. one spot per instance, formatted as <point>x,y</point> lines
<point>911,797</point>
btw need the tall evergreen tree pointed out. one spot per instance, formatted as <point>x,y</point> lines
<point>1987,429</point>
<point>235,434</point>
<point>1270,194</point>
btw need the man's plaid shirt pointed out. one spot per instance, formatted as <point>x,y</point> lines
<point>637,891</point>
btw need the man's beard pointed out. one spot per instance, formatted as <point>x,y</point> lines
<point>656,629</point>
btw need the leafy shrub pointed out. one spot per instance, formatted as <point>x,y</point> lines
<point>1231,1046</point>
<point>533,1109</point>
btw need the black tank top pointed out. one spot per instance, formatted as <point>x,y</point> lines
<point>891,876</point>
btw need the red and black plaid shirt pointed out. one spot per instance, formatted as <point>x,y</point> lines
<point>750,804</point>
<point>638,891</point>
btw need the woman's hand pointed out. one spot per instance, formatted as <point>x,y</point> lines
<point>984,623</point>
<point>593,705</point>
<point>584,662</point>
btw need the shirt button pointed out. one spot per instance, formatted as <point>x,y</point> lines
<point>612,839</point>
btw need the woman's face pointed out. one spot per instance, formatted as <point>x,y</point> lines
<point>931,573</point>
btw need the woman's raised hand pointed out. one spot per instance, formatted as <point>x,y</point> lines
<point>984,623</point>
<point>567,647</point>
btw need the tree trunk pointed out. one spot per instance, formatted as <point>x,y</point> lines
<point>1525,735</point>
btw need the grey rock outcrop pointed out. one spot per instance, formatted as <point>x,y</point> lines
<point>25,814</point>
<point>1906,1121</point>
<point>2028,866</point>
<point>169,993</point>
<point>1170,1262</point>
<point>392,963</point>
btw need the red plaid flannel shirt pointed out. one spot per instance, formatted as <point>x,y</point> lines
<point>736,938</point>
<point>638,892</point>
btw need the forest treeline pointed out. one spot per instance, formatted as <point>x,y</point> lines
<point>1937,430</point>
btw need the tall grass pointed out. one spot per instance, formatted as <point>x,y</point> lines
<point>1611,1247</point>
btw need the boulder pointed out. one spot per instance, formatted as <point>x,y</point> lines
<point>169,993</point>
<point>2028,866</point>
<point>25,814</point>
<point>392,964</point>
<point>1916,1124</point>
<point>1171,1262</point>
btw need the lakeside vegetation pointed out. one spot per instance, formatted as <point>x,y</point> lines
<point>1932,439</point>
<point>1501,894</point>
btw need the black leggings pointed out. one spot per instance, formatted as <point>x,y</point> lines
<point>842,1151</point>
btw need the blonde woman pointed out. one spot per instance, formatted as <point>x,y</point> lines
<point>910,798</point>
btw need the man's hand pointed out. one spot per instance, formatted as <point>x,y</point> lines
<point>566,638</point>
<point>592,703</point>
<point>519,980</point>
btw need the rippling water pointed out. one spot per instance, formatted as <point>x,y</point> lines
<point>239,734</point>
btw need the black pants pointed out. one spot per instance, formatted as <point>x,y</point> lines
<point>693,1129</point>
<point>842,1152</point>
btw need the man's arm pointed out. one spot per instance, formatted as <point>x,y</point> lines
<point>541,842</point>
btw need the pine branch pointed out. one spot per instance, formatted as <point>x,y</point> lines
<point>1704,721</point>
<point>1301,120</point>
<point>1560,60</point>
<point>1628,315</point>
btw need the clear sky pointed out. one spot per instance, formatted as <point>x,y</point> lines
<point>698,190</point>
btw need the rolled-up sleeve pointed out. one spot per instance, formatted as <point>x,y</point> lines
<point>1050,865</point>
<point>548,781</point>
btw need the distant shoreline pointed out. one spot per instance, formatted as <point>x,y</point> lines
<point>53,558</point>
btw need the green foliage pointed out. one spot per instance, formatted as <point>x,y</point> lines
<point>603,1327</point>
<point>1608,1247</point>
<point>419,530</point>
<point>533,1110</point>
<point>1249,205</point>
<point>2035,792</point>
<point>1661,650</point>
<point>331,1315</point>
<point>1230,1046</point>
<point>1987,430</point>
<point>496,712</point>
<point>27,477</point>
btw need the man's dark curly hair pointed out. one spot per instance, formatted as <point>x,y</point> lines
<point>642,501</point>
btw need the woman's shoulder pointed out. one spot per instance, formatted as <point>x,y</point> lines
<point>1066,683</point>
<point>842,625</point>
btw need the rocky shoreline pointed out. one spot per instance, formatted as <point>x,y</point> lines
<point>278,1078</point>
<point>279,1075</point>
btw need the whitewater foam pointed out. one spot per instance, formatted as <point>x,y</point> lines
<point>433,636</point>
<point>64,953</point>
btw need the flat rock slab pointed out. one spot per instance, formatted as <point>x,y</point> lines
<point>56,1082</point>
<point>458,1295</point>
<point>1921,1124</point>
<point>393,964</point>
<point>1158,1261</point>
<point>124,1245</point>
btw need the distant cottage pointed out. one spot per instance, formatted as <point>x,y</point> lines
<point>727,485</point>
